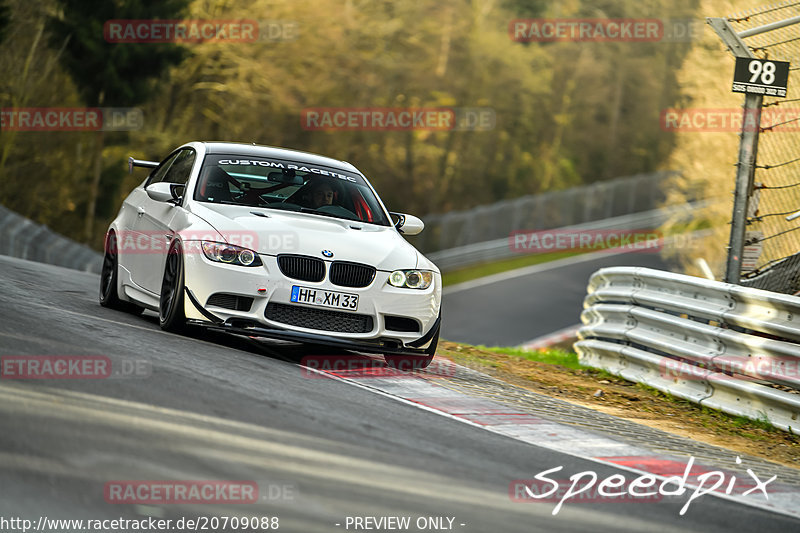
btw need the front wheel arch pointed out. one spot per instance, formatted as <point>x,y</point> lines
<point>171,310</point>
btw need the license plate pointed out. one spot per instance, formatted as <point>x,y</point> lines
<point>322,298</point>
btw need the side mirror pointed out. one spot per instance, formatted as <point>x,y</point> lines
<point>408,224</point>
<point>165,192</point>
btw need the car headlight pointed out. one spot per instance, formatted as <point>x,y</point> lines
<point>411,279</point>
<point>230,254</point>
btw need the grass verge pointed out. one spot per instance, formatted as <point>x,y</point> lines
<point>487,269</point>
<point>528,259</point>
<point>558,373</point>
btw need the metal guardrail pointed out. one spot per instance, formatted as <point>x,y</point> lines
<point>499,249</point>
<point>553,209</point>
<point>20,237</point>
<point>728,347</point>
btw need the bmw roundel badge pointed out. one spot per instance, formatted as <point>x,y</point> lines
<point>327,253</point>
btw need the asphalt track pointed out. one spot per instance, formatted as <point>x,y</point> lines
<point>515,307</point>
<point>217,407</point>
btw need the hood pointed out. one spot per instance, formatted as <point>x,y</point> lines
<point>273,232</point>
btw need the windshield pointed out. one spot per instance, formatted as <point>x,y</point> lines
<point>288,185</point>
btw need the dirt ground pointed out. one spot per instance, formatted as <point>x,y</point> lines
<point>634,402</point>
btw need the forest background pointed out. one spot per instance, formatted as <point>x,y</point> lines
<point>564,113</point>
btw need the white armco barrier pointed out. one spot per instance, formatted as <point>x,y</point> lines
<point>20,237</point>
<point>724,346</point>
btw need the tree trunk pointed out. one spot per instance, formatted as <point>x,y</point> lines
<point>444,48</point>
<point>613,129</point>
<point>95,188</point>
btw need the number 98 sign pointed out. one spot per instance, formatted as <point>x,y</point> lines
<point>761,76</point>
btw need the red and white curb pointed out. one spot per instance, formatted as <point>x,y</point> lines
<point>424,393</point>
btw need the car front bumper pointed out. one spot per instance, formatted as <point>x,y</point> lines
<point>264,285</point>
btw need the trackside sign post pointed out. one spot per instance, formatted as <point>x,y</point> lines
<point>748,147</point>
<point>761,76</point>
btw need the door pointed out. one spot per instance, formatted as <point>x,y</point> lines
<point>157,217</point>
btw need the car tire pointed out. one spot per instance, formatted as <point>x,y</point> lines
<point>171,314</point>
<point>109,297</point>
<point>413,362</point>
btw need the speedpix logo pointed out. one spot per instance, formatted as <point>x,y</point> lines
<point>587,487</point>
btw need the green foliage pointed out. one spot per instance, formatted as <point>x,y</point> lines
<point>549,356</point>
<point>658,393</point>
<point>566,113</point>
<point>760,422</point>
<point>525,8</point>
<point>5,19</point>
<point>487,269</point>
<point>599,373</point>
<point>108,73</point>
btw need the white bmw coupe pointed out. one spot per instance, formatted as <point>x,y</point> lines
<point>276,243</point>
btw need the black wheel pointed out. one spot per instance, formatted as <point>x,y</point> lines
<point>108,280</point>
<point>413,362</point>
<point>171,314</point>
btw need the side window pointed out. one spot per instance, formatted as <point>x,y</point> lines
<point>181,168</point>
<point>159,173</point>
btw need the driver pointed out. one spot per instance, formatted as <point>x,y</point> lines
<point>320,194</point>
